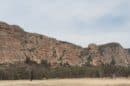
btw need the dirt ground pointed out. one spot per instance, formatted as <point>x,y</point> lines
<point>68,82</point>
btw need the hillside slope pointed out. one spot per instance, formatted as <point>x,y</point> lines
<point>16,46</point>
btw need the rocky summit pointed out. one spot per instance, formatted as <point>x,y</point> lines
<point>16,46</point>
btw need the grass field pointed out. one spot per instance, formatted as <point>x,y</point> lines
<point>68,82</point>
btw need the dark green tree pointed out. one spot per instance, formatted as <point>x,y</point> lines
<point>113,62</point>
<point>89,60</point>
<point>45,63</point>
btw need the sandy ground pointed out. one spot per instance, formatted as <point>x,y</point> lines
<point>68,82</point>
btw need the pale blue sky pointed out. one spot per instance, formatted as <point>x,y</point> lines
<point>77,21</point>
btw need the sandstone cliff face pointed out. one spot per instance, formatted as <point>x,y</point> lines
<point>128,51</point>
<point>10,43</point>
<point>16,45</point>
<point>114,51</point>
<point>104,54</point>
<point>128,55</point>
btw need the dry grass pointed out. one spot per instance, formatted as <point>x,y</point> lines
<point>68,82</point>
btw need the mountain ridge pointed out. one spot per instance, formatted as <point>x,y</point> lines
<point>16,45</point>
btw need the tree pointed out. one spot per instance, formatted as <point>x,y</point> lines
<point>89,60</point>
<point>45,63</point>
<point>29,61</point>
<point>31,75</point>
<point>113,62</point>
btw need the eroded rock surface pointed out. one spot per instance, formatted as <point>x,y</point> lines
<point>16,45</point>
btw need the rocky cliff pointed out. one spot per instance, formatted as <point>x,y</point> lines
<point>106,54</point>
<point>16,46</point>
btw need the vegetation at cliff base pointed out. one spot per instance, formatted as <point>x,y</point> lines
<point>43,71</point>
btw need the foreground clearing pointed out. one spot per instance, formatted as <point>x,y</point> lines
<point>68,82</point>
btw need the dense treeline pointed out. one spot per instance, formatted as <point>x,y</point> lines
<point>31,70</point>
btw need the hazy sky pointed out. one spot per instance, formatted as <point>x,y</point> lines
<point>77,21</point>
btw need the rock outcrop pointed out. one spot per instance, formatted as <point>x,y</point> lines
<point>16,46</point>
<point>106,54</point>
